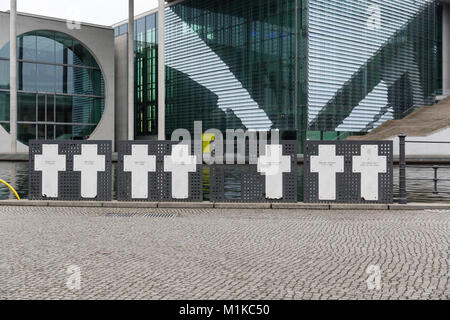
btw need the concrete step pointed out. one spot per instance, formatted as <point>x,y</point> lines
<point>420,123</point>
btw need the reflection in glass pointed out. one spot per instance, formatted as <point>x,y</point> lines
<point>26,106</point>
<point>27,76</point>
<point>45,46</point>
<point>63,133</point>
<point>4,52</point>
<point>146,75</point>
<point>64,109</point>
<point>50,108</point>
<point>41,132</point>
<point>123,29</point>
<point>41,108</point>
<point>26,47</point>
<point>26,132</point>
<point>4,74</point>
<point>50,132</point>
<point>45,78</point>
<point>4,106</point>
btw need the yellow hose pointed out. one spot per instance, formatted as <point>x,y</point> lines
<point>10,188</point>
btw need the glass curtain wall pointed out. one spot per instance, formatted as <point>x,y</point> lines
<point>315,69</point>
<point>236,64</point>
<point>370,61</point>
<point>146,75</point>
<point>60,88</point>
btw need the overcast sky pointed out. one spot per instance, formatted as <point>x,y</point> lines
<point>104,12</point>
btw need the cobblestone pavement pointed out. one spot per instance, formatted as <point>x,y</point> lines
<point>222,254</point>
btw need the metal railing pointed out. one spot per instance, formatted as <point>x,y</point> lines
<point>403,179</point>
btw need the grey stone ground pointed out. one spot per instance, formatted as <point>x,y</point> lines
<point>222,254</point>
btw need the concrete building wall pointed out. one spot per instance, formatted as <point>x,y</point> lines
<point>426,150</point>
<point>98,40</point>
<point>121,93</point>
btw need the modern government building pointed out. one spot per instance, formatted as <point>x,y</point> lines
<point>313,69</point>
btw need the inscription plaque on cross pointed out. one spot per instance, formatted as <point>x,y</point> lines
<point>272,165</point>
<point>370,165</point>
<point>139,163</point>
<point>50,163</point>
<point>327,164</point>
<point>89,163</point>
<point>180,164</point>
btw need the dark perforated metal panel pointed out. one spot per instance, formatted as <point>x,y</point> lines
<point>69,184</point>
<point>253,184</point>
<point>348,184</point>
<point>159,182</point>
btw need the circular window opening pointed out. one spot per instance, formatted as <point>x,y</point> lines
<point>61,91</point>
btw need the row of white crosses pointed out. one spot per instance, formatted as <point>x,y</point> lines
<point>180,163</point>
<point>327,164</point>
<point>51,163</point>
<point>140,163</point>
<point>273,164</point>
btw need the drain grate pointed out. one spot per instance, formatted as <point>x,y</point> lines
<point>146,215</point>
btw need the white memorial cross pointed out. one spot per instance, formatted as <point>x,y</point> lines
<point>180,163</point>
<point>273,164</point>
<point>369,164</point>
<point>50,163</point>
<point>139,163</point>
<point>89,163</point>
<point>327,164</point>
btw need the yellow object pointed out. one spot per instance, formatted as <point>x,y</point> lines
<point>207,139</point>
<point>10,188</point>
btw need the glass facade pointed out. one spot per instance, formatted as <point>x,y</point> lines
<point>61,90</point>
<point>123,29</point>
<point>315,69</point>
<point>146,73</point>
<point>236,64</point>
<point>370,61</point>
<point>228,64</point>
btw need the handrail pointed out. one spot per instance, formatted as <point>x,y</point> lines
<point>10,188</point>
<point>402,170</point>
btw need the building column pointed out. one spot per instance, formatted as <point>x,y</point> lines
<point>131,70</point>
<point>161,73</point>
<point>446,48</point>
<point>13,75</point>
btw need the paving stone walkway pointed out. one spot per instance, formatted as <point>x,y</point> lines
<point>222,254</point>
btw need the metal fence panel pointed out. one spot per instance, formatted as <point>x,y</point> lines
<point>159,182</point>
<point>348,181</point>
<point>69,182</point>
<point>253,184</point>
